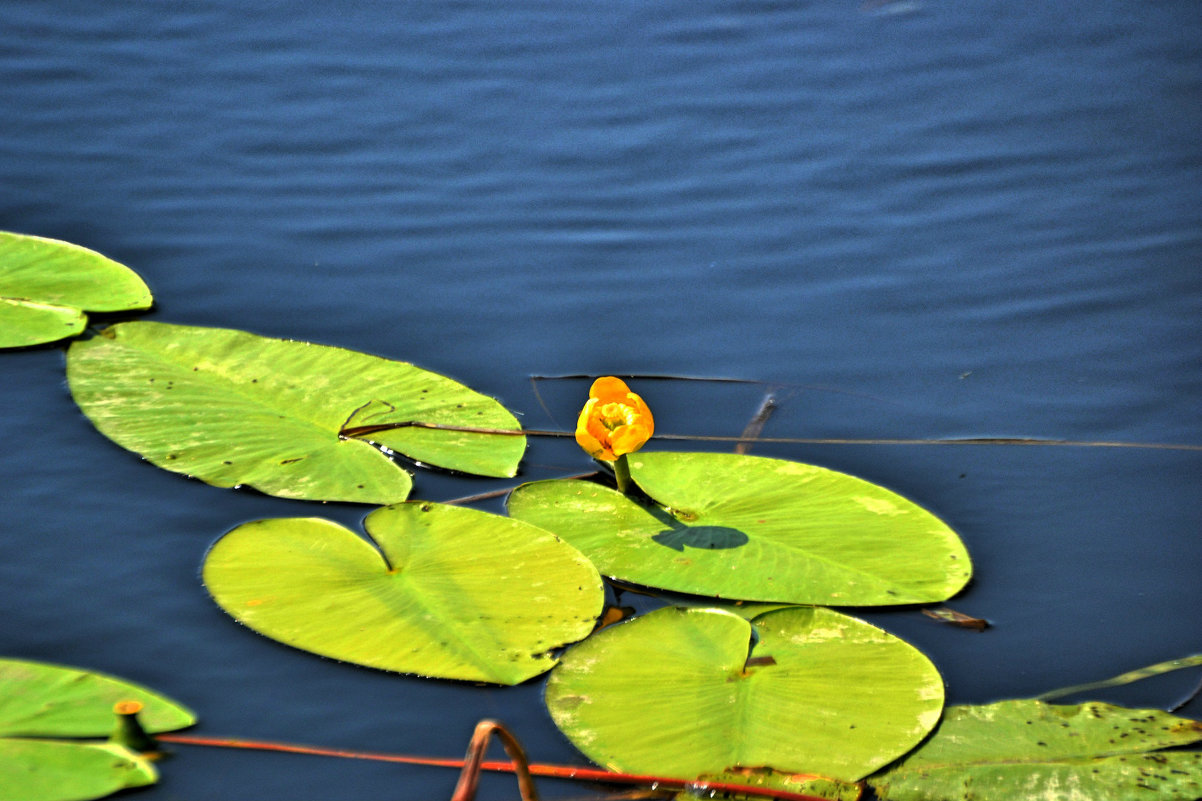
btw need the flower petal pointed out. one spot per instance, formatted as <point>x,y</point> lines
<point>644,413</point>
<point>608,389</point>
<point>585,436</point>
<point>628,439</point>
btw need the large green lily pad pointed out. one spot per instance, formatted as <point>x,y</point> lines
<point>1045,752</point>
<point>752,528</point>
<point>232,408</point>
<point>40,701</point>
<point>684,692</point>
<point>46,285</point>
<point>451,593</point>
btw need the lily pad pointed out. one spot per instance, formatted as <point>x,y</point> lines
<point>40,701</point>
<point>43,700</point>
<point>1032,750</point>
<point>232,408</point>
<point>686,692</point>
<point>55,770</point>
<point>46,285</point>
<point>756,529</point>
<point>452,592</point>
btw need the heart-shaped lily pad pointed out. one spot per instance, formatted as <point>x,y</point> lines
<point>752,528</point>
<point>46,285</point>
<point>685,692</point>
<point>451,593</point>
<point>230,407</point>
<point>40,701</point>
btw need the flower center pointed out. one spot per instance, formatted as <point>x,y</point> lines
<point>616,414</point>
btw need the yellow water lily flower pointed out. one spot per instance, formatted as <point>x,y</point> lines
<point>614,422</point>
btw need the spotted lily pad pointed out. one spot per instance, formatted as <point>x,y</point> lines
<point>41,703</point>
<point>232,408</point>
<point>752,528</point>
<point>47,285</point>
<point>1047,752</point>
<point>684,692</point>
<point>448,592</point>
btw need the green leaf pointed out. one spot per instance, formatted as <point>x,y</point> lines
<point>43,700</point>
<point>53,770</point>
<point>685,692</point>
<point>39,700</point>
<point>756,529</point>
<point>452,592</point>
<point>233,408</point>
<point>46,285</point>
<point>1043,752</point>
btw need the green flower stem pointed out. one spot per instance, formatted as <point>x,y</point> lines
<point>622,475</point>
<point>128,730</point>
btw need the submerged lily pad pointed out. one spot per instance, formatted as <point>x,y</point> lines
<point>685,692</point>
<point>40,701</point>
<point>805,784</point>
<point>451,593</point>
<point>231,408</point>
<point>47,285</point>
<point>1032,750</point>
<point>757,529</point>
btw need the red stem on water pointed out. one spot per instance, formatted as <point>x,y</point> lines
<point>536,769</point>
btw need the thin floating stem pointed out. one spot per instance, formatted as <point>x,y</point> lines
<point>363,431</point>
<point>570,772</point>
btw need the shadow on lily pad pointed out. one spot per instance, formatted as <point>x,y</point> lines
<point>712,538</point>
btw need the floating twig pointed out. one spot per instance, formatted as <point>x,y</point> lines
<point>752,432</point>
<point>954,618</point>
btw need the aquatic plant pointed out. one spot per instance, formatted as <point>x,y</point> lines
<point>750,683</point>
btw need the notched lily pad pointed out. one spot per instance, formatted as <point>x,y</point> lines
<point>232,408</point>
<point>685,692</point>
<point>747,527</point>
<point>47,285</point>
<point>451,592</point>
<point>39,702</point>
<point>1032,750</point>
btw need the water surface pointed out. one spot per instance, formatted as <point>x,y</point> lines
<point>911,220</point>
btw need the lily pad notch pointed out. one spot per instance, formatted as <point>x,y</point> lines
<point>445,591</point>
<point>690,691</point>
<point>52,721</point>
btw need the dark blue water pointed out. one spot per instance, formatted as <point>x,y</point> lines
<point>914,220</point>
